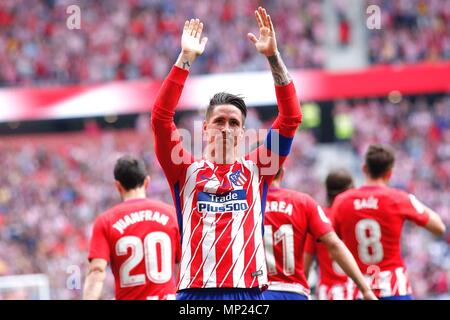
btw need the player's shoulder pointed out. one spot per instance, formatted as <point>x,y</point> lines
<point>348,194</point>
<point>393,195</point>
<point>159,204</point>
<point>299,197</point>
<point>135,205</point>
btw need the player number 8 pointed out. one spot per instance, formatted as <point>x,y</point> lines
<point>368,235</point>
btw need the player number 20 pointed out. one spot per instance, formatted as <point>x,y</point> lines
<point>368,235</point>
<point>147,250</point>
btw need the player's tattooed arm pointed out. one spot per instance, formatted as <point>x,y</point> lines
<point>185,61</point>
<point>192,45</point>
<point>279,71</point>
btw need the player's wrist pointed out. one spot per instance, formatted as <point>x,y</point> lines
<point>186,59</point>
<point>273,54</point>
<point>366,291</point>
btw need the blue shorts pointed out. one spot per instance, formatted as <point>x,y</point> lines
<point>407,297</point>
<point>283,295</point>
<point>220,294</point>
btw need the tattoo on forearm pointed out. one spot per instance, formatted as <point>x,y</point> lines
<point>279,71</point>
<point>186,64</point>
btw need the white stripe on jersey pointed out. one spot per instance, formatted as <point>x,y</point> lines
<point>211,281</point>
<point>208,248</point>
<point>213,183</point>
<point>237,254</point>
<point>188,189</point>
<point>402,285</point>
<point>256,181</point>
<point>209,235</point>
<point>343,291</point>
<point>384,283</point>
<point>238,244</point>
<point>223,256</point>
<point>258,246</point>
<point>322,293</point>
<point>337,292</point>
<point>241,251</point>
<point>258,217</point>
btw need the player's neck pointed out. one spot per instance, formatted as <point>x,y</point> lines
<point>133,194</point>
<point>375,182</point>
<point>221,157</point>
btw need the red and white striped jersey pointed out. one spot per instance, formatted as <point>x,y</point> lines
<point>333,282</point>
<point>221,226</point>
<point>342,291</point>
<point>220,207</point>
<point>290,216</point>
<point>369,220</point>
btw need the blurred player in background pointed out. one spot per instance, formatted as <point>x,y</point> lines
<point>333,283</point>
<point>369,220</point>
<point>289,217</point>
<point>220,198</point>
<point>139,237</point>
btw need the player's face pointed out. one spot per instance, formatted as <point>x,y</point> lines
<point>225,126</point>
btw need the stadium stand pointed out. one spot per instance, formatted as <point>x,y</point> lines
<point>53,185</point>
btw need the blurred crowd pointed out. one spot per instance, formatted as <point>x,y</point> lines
<point>141,38</point>
<point>53,186</point>
<point>411,31</point>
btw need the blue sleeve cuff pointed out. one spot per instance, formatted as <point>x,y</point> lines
<point>278,143</point>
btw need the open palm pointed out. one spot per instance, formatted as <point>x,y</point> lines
<point>266,43</point>
<point>190,40</point>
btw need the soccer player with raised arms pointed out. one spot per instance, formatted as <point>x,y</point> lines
<point>220,198</point>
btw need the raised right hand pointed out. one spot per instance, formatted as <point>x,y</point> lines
<point>190,40</point>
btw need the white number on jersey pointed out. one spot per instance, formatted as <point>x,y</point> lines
<point>149,250</point>
<point>284,234</point>
<point>368,235</point>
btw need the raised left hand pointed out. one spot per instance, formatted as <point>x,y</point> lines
<point>266,43</point>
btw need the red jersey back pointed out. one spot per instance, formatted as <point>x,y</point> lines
<point>369,220</point>
<point>333,282</point>
<point>289,217</point>
<point>140,238</point>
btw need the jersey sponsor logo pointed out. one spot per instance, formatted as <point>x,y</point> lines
<point>233,201</point>
<point>366,203</point>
